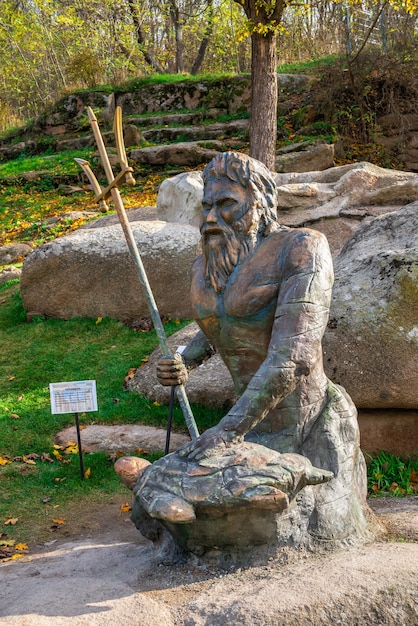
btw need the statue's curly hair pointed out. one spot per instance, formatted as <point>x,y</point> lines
<point>252,175</point>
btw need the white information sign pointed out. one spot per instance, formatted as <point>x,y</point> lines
<point>74,397</point>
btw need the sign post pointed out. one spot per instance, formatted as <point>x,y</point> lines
<point>74,397</point>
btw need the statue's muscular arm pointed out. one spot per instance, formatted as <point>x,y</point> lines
<point>305,269</point>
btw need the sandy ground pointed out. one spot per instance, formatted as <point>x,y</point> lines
<point>113,576</point>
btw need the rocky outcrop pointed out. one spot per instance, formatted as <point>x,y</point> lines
<point>198,133</point>
<point>89,273</point>
<point>334,201</point>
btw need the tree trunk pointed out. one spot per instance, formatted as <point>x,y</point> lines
<point>149,58</point>
<point>178,34</point>
<point>204,43</point>
<point>263,122</point>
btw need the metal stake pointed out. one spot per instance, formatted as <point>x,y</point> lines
<point>80,451</point>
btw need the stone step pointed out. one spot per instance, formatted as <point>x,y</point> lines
<point>197,133</point>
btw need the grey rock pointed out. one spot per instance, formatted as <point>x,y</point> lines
<point>370,346</point>
<point>184,153</point>
<point>180,199</point>
<point>317,156</point>
<point>132,136</point>
<point>90,273</point>
<point>334,201</point>
<point>124,438</point>
<point>12,252</point>
<point>9,273</point>
<point>392,430</point>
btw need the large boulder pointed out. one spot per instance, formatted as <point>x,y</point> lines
<point>371,343</point>
<point>90,273</point>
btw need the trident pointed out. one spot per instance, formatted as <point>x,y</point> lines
<point>112,191</point>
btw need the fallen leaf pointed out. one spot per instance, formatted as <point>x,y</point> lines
<point>32,456</point>
<point>87,473</point>
<point>28,461</point>
<point>46,457</point>
<point>17,556</point>
<point>21,547</point>
<point>130,374</point>
<point>58,447</point>
<point>11,521</point>
<point>59,520</point>
<point>99,319</point>
<point>59,480</point>
<point>19,398</point>
<point>125,507</point>
<point>57,455</point>
<point>12,377</point>
<point>4,460</point>
<point>156,403</point>
<point>71,449</point>
<point>8,543</point>
<point>14,416</point>
<point>141,451</point>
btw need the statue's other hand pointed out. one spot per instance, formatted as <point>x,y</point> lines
<point>171,371</point>
<point>210,443</point>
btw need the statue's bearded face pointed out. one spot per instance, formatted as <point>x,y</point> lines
<point>229,229</point>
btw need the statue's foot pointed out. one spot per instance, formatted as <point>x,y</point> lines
<point>130,469</point>
<point>166,506</point>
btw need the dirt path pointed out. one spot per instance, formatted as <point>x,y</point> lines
<point>110,575</point>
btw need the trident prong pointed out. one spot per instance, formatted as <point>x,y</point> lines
<point>120,145</point>
<point>94,183</point>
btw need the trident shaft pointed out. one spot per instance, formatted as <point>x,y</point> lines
<point>113,192</point>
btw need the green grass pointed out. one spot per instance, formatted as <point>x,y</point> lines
<point>389,475</point>
<point>306,67</point>
<point>61,163</point>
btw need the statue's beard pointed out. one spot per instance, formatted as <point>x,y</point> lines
<point>223,249</point>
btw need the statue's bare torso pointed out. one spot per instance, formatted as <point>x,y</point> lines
<point>270,320</point>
